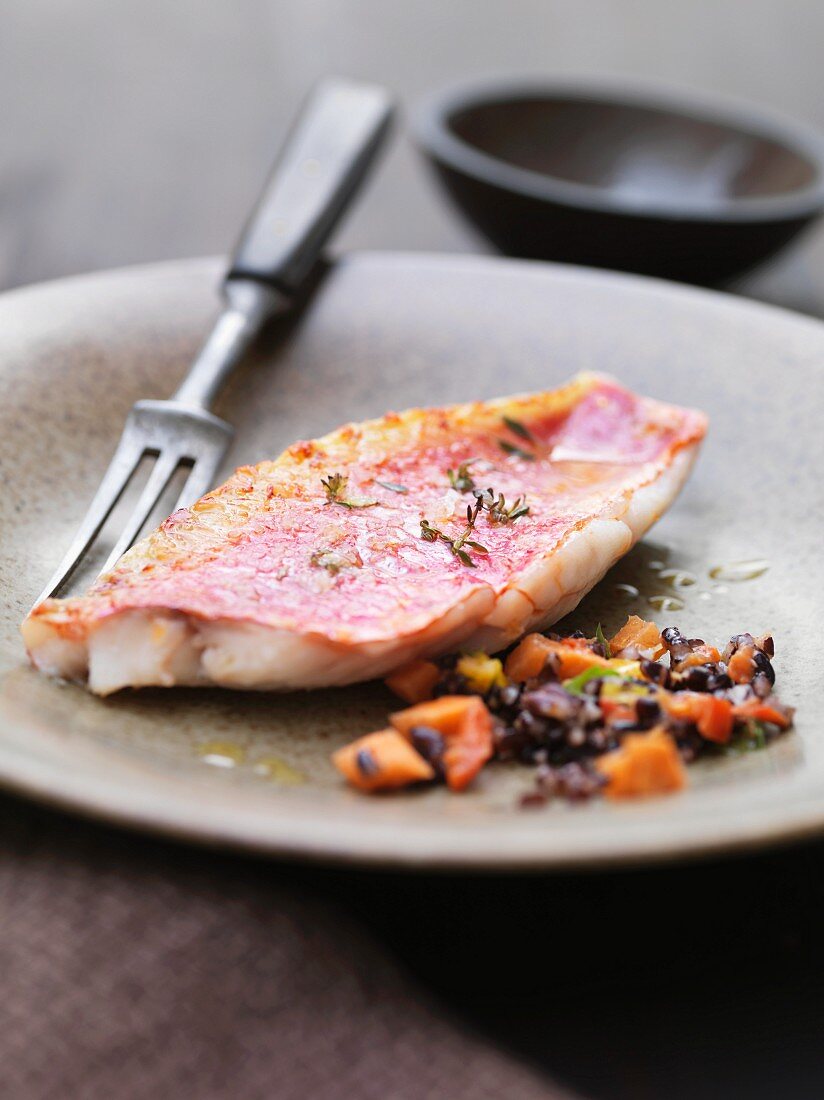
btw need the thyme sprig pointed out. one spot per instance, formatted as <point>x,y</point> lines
<point>499,511</point>
<point>456,546</point>
<point>335,486</point>
<point>461,480</point>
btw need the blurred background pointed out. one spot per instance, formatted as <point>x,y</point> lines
<point>142,130</point>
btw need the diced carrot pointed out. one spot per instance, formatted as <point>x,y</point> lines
<point>701,655</point>
<point>741,667</point>
<point>616,711</point>
<point>414,682</point>
<point>444,714</point>
<point>638,632</point>
<point>716,723</point>
<point>762,712</point>
<point>713,716</point>
<point>381,761</point>
<point>574,661</point>
<point>645,764</point>
<point>529,658</point>
<point>468,750</point>
<point>465,725</point>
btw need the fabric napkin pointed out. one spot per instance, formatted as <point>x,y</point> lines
<point>133,968</point>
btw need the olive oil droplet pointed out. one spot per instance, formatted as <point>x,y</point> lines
<point>677,578</point>
<point>740,570</point>
<point>666,603</point>
<point>221,754</point>
<point>272,767</point>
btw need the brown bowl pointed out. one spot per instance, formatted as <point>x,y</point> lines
<point>660,183</point>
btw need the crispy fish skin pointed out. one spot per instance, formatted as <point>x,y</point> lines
<point>267,583</point>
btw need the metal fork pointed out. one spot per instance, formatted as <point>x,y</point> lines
<point>326,156</point>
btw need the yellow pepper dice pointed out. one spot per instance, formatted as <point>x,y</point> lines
<point>481,672</point>
<point>630,669</point>
<point>619,691</point>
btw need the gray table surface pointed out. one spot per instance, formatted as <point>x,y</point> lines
<point>142,130</point>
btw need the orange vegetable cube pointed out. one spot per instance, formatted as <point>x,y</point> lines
<point>444,714</point>
<point>381,761</point>
<point>572,661</point>
<point>741,667</point>
<point>714,717</point>
<point>571,657</point>
<point>645,764</point>
<point>716,723</point>
<point>701,655</point>
<point>762,712</point>
<point>414,682</point>
<point>528,658</point>
<point>466,726</point>
<point>638,632</point>
<point>469,749</point>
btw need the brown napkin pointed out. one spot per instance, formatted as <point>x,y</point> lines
<point>133,968</point>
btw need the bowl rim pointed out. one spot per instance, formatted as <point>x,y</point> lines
<point>436,138</point>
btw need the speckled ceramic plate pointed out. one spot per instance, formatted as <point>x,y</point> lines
<point>388,331</point>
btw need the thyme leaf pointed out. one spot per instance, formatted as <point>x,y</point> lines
<point>461,480</point>
<point>456,546</point>
<point>430,533</point>
<point>599,637</point>
<point>335,486</point>
<point>333,562</point>
<point>519,452</point>
<point>518,428</point>
<point>393,487</point>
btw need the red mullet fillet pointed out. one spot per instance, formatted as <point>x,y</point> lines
<point>289,576</point>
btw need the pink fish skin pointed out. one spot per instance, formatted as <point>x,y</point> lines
<point>272,581</point>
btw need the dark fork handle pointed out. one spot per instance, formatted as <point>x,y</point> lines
<point>325,157</point>
<point>327,154</point>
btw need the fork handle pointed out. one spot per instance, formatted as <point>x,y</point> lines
<point>327,154</point>
<point>325,158</point>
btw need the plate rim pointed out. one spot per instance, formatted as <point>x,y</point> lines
<point>25,773</point>
<point>333,842</point>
